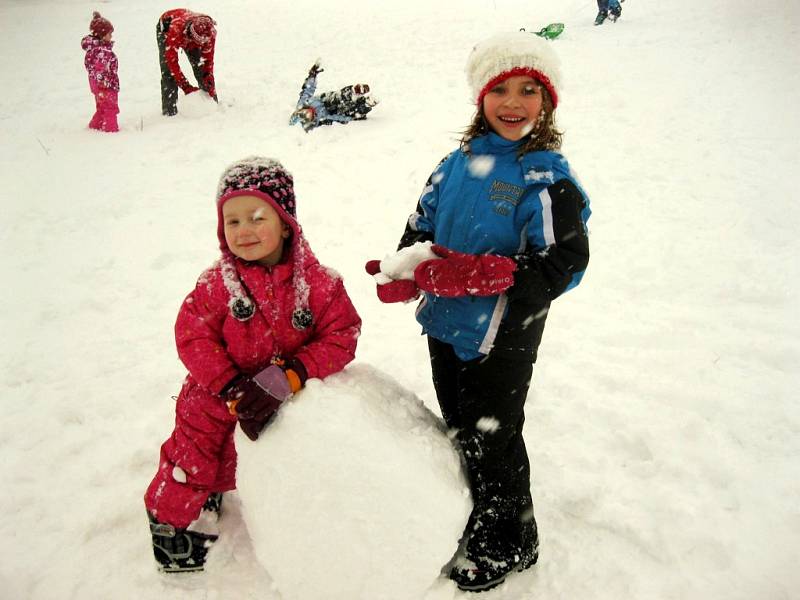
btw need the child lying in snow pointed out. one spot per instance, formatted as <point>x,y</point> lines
<point>352,102</point>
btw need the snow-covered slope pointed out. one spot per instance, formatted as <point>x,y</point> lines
<point>662,425</point>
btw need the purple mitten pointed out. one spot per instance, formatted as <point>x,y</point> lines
<point>273,380</point>
<point>256,399</point>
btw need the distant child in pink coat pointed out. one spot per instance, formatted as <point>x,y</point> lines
<point>101,65</point>
<point>260,321</point>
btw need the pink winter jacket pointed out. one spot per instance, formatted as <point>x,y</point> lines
<point>215,346</point>
<point>100,63</point>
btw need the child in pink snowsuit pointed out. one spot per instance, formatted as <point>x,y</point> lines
<point>260,321</point>
<point>101,65</point>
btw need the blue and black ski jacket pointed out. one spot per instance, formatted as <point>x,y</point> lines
<point>484,199</point>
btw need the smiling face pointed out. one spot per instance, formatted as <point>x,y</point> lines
<point>253,230</point>
<point>512,107</point>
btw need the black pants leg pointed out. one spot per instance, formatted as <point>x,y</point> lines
<point>195,57</point>
<point>169,87</point>
<point>483,400</point>
<point>333,102</point>
<point>342,102</point>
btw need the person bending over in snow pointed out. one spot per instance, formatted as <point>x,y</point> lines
<point>507,219</point>
<point>352,102</point>
<point>263,319</point>
<point>101,65</point>
<point>182,29</point>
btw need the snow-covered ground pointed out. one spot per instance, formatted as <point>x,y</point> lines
<point>661,426</point>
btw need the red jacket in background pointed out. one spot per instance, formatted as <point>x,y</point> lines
<point>178,38</point>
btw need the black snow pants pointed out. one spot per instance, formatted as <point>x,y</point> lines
<point>483,401</point>
<point>169,87</point>
<point>606,6</point>
<point>343,103</point>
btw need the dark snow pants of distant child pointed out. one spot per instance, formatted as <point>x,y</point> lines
<point>483,400</point>
<point>343,103</point>
<point>606,6</point>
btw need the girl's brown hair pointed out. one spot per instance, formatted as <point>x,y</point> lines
<point>543,136</point>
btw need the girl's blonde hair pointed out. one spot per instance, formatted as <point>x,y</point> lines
<point>543,136</point>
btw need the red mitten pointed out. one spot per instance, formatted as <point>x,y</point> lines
<point>457,274</point>
<point>399,290</point>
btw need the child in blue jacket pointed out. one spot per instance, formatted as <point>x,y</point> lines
<point>352,102</point>
<point>507,219</point>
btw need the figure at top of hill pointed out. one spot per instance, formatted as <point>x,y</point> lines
<point>608,9</point>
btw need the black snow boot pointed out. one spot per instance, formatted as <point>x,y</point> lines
<point>490,554</point>
<point>178,550</point>
<point>482,573</point>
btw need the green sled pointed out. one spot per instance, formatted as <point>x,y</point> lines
<point>550,32</point>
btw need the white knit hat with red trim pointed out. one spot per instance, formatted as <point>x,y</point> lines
<point>505,55</point>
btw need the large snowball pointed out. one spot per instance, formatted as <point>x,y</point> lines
<point>353,491</point>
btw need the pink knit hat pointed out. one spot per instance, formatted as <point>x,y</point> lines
<point>264,178</point>
<point>267,179</point>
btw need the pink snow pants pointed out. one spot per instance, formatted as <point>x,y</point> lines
<point>198,458</point>
<point>107,108</point>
